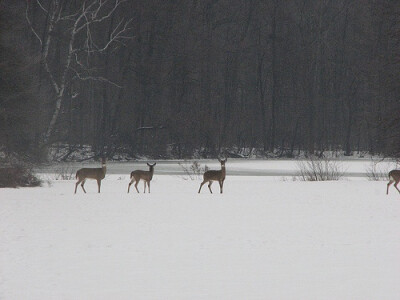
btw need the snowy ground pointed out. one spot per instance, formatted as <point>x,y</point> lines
<point>264,238</point>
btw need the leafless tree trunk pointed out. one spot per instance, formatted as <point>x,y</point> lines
<point>79,45</point>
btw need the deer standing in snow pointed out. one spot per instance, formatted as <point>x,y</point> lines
<point>394,176</point>
<point>91,173</point>
<point>215,175</point>
<point>146,176</point>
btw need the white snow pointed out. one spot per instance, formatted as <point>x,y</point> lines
<point>264,238</point>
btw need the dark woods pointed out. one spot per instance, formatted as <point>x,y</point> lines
<point>177,78</point>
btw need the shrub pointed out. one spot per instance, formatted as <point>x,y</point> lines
<point>193,171</point>
<point>319,169</point>
<point>64,172</point>
<point>18,176</point>
<point>379,170</point>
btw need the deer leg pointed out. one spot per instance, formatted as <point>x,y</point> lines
<point>137,182</point>
<point>148,184</point>
<point>82,185</point>
<point>387,190</point>
<point>144,181</point>
<point>395,185</point>
<point>130,183</point>
<point>76,185</point>
<point>129,186</point>
<point>98,184</point>
<point>201,185</point>
<point>221,185</point>
<point>209,186</point>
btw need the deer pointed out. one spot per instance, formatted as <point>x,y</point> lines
<point>394,176</point>
<point>91,173</point>
<point>215,175</point>
<point>146,176</point>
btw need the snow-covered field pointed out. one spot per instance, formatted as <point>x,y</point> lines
<point>264,238</point>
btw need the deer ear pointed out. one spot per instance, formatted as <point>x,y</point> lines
<point>148,164</point>
<point>219,159</point>
<point>154,164</point>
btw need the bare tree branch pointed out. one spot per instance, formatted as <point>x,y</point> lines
<point>93,14</point>
<point>95,78</point>
<point>115,36</point>
<point>150,127</point>
<point>30,24</point>
<point>41,6</point>
<point>79,41</point>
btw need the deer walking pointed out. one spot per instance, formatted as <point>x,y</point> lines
<point>91,173</point>
<point>215,175</point>
<point>146,176</point>
<point>394,176</point>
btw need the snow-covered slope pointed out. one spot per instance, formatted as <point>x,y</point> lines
<point>261,239</point>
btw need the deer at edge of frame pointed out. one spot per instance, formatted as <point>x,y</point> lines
<point>394,176</point>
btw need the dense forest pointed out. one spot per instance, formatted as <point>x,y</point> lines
<point>177,78</point>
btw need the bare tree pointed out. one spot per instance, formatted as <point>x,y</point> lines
<point>75,26</point>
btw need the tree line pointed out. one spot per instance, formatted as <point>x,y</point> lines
<point>178,78</point>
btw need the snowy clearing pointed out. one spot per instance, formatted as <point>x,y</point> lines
<point>264,238</point>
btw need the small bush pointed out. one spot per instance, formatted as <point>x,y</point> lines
<point>193,171</point>
<point>319,169</point>
<point>18,176</point>
<point>64,172</point>
<point>379,170</point>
